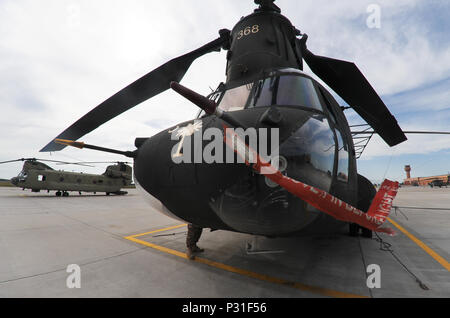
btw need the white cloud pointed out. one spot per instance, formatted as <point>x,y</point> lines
<point>394,58</point>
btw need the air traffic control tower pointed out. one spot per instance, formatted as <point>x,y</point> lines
<point>408,171</point>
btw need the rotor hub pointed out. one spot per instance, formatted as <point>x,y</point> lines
<point>267,5</point>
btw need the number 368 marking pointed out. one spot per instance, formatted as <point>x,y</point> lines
<point>247,31</point>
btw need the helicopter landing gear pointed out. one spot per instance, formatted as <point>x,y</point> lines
<point>366,232</point>
<point>355,229</point>
<point>366,193</point>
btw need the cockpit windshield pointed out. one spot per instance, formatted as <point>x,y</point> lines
<point>282,90</point>
<point>285,90</point>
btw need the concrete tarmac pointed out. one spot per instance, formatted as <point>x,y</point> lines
<point>126,249</point>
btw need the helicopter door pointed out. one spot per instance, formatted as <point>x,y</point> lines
<point>345,183</point>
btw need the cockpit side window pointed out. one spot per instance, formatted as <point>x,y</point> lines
<point>343,158</point>
<point>235,98</point>
<point>22,175</point>
<point>327,100</point>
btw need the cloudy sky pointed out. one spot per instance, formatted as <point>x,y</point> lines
<point>61,58</point>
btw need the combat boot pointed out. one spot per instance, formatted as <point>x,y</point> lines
<point>191,251</point>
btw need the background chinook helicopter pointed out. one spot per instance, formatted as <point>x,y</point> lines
<point>37,176</point>
<point>267,88</point>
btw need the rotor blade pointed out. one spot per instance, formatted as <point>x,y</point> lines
<point>407,132</point>
<point>349,83</point>
<point>81,145</point>
<point>47,160</point>
<point>144,88</point>
<point>13,160</point>
<point>21,159</point>
<point>59,162</point>
<point>93,162</point>
<point>101,162</point>
<point>67,163</point>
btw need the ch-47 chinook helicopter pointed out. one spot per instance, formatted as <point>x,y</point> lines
<point>37,176</point>
<point>317,186</point>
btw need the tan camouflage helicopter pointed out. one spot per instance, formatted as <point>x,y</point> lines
<point>38,176</point>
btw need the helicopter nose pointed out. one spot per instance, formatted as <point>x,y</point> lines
<point>14,180</point>
<point>257,205</point>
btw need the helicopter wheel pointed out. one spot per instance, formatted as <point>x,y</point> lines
<point>366,193</point>
<point>353,229</point>
<point>58,193</point>
<point>366,232</point>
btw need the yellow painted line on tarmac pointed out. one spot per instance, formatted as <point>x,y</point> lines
<point>156,231</point>
<point>243,272</point>
<point>421,244</point>
<point>157,247</point>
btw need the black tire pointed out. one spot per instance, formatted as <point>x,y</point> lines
<point>366,193</point>
<point>353,229</point>
<point>58,193</point>
<point>366,232</point>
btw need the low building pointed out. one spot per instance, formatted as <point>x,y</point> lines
<point>423,181</point>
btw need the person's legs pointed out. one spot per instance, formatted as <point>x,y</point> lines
<point>193,235</point>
